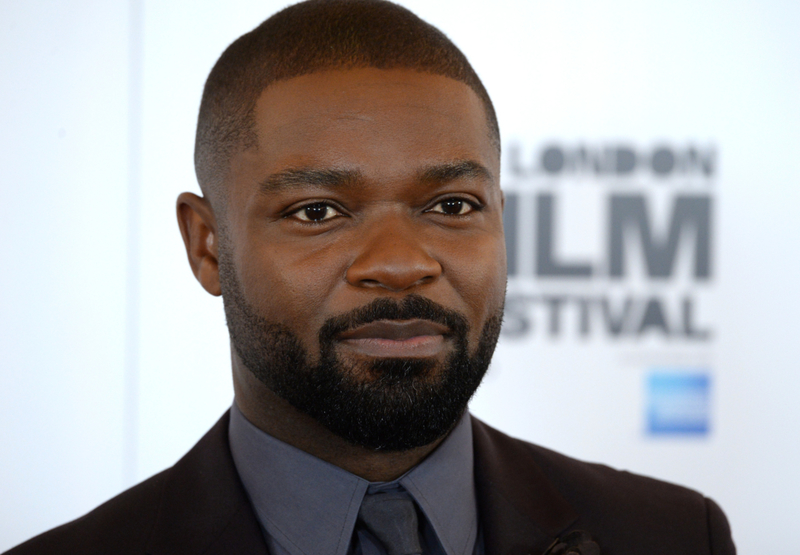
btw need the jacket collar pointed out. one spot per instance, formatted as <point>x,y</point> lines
<point>521,511</point>
<point>204,507</point>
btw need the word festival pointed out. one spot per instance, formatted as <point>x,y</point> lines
<point>654,210</point>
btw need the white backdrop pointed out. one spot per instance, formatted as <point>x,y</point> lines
<point>114,361</point>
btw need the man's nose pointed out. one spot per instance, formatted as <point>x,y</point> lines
<point>394,256</point>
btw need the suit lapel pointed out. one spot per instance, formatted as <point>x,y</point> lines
<point>204,507</point>
<point>521,511</point>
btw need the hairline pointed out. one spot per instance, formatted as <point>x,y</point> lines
<point>249,139</point>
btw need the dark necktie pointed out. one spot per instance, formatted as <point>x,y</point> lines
<point>392,518</point>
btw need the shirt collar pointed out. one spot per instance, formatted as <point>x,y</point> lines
<point>443,485</point>
<point>310,506</point>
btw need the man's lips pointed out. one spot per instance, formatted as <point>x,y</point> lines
<point>396,338</point>
<point>396,330</point>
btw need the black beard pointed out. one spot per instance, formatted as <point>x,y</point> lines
<point>404,404</point>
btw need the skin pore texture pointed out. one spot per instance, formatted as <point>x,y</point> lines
<point>368,188</point>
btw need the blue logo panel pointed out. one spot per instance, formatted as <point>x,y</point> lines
<point>678,402</point>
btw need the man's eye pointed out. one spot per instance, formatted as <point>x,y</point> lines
<point>317,212</point>
<point>453,207</point>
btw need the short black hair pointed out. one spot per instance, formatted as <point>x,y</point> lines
<point>305,38</point>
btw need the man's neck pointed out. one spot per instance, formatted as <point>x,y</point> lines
<point>277,417</point>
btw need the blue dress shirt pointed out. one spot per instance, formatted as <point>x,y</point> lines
<point>307,506</point>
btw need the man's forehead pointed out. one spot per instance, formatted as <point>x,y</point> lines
<point>343,91</point>
<point>352,111</point>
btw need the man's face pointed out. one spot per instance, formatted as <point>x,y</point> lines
<point>362,260</point>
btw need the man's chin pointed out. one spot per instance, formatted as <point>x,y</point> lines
<point>389,404</point>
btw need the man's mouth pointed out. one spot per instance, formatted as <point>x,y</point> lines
<point>396,338</point>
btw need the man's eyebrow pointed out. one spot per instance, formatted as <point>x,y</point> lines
<point>451,171</point>
<point>308,177</point>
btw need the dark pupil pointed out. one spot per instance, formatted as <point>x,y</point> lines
<point>452,206</point>
<point>316,212</point>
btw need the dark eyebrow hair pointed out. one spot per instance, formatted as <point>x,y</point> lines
<point>331,178</point>
<point>304,177</point>
<point>457,170</point>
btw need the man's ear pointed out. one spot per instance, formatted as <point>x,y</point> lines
<point>199,230</point>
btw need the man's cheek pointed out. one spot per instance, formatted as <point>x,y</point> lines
<point>480,283</point>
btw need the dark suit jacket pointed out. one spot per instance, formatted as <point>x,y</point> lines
<point>527,497</point>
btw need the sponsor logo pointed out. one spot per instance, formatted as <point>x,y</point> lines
<point>678,402</point>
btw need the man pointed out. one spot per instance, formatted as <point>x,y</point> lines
<point>351,219</point>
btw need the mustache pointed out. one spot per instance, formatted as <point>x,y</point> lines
<point>383,308</point>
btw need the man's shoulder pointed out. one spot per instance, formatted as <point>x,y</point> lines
<point>620,507</point>
<point>573,476</point>
<point>197,503</point>
<point>123,522</point>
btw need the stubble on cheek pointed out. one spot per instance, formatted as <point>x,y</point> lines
<point>482,287</point>
<point>293,295</point>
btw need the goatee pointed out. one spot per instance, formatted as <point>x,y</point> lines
<point>397,404</point>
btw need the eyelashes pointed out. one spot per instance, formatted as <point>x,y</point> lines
<point>453,206</point>
<point>316,212</point>
<point>321,211</point>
